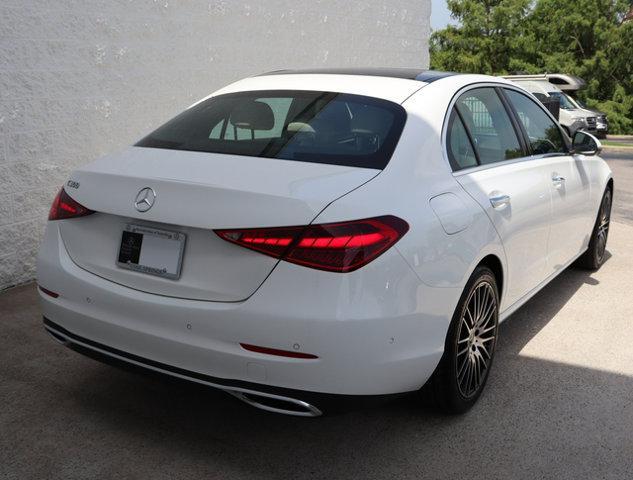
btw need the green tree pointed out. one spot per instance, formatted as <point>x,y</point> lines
<point>487,38</point>
<point>586,38</point>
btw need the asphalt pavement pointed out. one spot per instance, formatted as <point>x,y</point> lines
<point>559,403</point>
<point>621,163</point>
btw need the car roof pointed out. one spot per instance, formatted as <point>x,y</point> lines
<point>420,75</point>
<point>393,84</point>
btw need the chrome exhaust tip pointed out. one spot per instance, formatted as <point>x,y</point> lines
<point>276,403</point>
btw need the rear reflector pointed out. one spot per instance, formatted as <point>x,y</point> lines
<point>335,247</point>
<point>48,292</point>
<point>274,351</point>
<point>64,207</point>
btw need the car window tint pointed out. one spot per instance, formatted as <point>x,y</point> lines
<point>489,124</point>
<point>545,136</point>
<point>304,126</point>
<point>460,150</point>
<point>279,108</point>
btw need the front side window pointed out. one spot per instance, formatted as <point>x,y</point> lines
<point>306,126</point>
<point>565,103</point>
<point>544,135</point>
<point>489,124</point>
<point>576,103</point>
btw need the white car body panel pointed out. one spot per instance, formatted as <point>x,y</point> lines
<point>274,192</point>
<point>520,225</point>
<point>292,193</point>
<point>377,330</point>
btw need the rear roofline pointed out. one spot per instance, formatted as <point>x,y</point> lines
<point>426,76</point>
<point>394,85</point>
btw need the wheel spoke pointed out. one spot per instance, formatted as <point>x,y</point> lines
<point>473,313</point>
<point>469,377</point>
<point>477,369</point>
<point>472,320</point>
<point>488,313</point>
<point>482,299</point>
<point>483,366</point>
<point>487,330</point>
<point>461,371</point>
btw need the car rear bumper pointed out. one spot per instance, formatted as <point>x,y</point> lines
<point>265,397</point>
<point>376,331</point>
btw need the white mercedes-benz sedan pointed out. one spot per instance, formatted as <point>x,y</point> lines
<point>306,235</point>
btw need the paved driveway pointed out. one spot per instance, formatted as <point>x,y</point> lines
<point>621,162</point>
<point>559,404</point>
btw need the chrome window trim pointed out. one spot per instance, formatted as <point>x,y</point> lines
<point>487,166</point>
<point>465,171</point>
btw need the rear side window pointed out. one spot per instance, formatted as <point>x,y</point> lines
<point>460,149</point>
<point>544,135</point>
<point>306,126</point>
<point>489,124</point>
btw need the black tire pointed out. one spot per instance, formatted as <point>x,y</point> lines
<point>594,257</point>
<point>446,385</point>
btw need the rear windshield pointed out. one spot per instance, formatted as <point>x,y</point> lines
<point>305,126</point>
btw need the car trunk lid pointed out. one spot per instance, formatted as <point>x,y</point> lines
<point>196,193</point>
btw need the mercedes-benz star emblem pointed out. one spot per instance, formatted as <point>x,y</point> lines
<point>145,199</point>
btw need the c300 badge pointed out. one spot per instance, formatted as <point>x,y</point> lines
<point>72,184</point>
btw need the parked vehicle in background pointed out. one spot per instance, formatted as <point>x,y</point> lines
<point>567,103</point>
<point>570,85</point>
<point>571,118</point>
<point>567,83</point>
<point>602,124</point>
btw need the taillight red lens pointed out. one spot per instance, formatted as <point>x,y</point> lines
<point>336,247</point>
<point>64,207</point>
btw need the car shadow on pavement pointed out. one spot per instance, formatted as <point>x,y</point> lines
<point>537,419</point>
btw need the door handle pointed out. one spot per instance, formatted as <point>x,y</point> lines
<point>557,180</point>
<point>499,201</point>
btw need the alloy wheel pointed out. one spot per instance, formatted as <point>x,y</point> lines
<point>603,227</point>
<point>476,339</point>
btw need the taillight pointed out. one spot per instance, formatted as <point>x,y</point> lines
<point>64,207</point>
<point>336,247</point>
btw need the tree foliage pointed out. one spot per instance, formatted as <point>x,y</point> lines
<point>586,38</point>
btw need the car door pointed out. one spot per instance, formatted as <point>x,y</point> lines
<point>512,189</point>
<point>568,180</point>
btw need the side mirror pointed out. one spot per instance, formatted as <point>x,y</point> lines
<point>586,144</point>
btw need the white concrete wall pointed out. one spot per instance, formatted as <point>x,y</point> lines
<point>79,78</point>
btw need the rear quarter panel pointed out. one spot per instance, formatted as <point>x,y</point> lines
<point>417,175</point>
<point>599,175</point>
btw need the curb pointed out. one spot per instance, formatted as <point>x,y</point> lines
<point>617,148</point>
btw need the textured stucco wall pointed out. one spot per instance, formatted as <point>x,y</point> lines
<point>81,78</point>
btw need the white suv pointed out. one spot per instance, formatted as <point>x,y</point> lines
<point>571,117</point>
